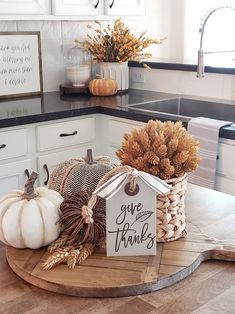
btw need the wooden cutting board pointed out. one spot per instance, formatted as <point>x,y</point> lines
<point>211,235</point>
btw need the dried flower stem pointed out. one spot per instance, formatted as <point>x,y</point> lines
<point>118,44</point>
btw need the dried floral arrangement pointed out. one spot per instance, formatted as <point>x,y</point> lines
<point>80,233</point>
<point>117,44</point>
<point>163,149</point>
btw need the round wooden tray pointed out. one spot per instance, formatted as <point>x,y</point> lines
<point>102,276</point>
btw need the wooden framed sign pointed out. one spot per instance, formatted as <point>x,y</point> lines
<point>20,64</point>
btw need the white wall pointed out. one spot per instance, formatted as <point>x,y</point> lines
<point>220,86</point>
<point>163,18</point>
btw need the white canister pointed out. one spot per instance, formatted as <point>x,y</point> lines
<point>78,75</point>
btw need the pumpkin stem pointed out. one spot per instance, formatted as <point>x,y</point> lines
<point>89,159</point>
<point>29,192</point>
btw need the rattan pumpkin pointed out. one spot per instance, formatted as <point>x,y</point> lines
<point>29,217</point>
<point>80,174</point>
<point>103,87</point>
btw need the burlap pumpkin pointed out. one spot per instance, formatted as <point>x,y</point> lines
<point>80,174</point>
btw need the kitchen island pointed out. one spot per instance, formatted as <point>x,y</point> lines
<point>210,289</point>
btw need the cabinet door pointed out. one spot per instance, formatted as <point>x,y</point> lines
<point>47,163</point>
<point>125,7</point>
<point>13,175</point>
<point>76,7</point>
<point>116,129</point>
<point>24,6</point>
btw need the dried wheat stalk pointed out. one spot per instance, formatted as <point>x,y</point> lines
<point>163,149</point>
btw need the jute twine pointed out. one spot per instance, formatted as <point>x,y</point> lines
<point>170,206</point>
<point>170,211</point>
<point>87,210</point>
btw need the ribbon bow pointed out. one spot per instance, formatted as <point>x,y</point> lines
<point>114,184</point>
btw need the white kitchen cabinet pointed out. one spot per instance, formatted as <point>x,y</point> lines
<point>47,163</point>
<point>225,170</point>
<point>77,7</point>
<point>124,7</point>
<point>40,147</point>
<point>98,7</point>
<point>15,157</point>
<point>111,132</point>
<point>69,9</point>
<point>24,7</point>
<point>78,135</point>
<point>13,144</point>
<point>13,175</point>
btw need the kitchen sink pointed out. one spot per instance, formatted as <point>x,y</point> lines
<point>189,108</point>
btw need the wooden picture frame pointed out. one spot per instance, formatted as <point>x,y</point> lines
<point>20,64</point>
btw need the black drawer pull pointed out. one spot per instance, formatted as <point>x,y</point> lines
<point>3,146</point>
<point>48,174</point>
<point>27,173</point>
<point>111,5</point>
<point>96,5</point>
<point>68,134</point>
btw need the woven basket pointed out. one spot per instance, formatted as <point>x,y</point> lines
<point>170,211</point>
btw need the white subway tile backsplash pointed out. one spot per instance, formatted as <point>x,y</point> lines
<point>220,86</point>
<point>52,63</point>
<point>55,34</point>
<point>208,86</point>
<point>48,29</point>
<point>74,30</point>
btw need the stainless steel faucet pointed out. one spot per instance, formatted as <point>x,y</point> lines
<point>200,60</point>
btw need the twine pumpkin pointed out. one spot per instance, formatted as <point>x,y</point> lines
<point>80,174</point>
<point>76,223</point>
<point>103,87</point>
<point>28,218</point>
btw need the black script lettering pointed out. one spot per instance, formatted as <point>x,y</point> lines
<point>127,237</point>
<point>16,82</point>
<point>25,47</point>
<point>26,69</point>
<point>130,208</point>
<point>148,237</point>
<point>14,49</point>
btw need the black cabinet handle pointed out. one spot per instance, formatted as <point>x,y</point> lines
<point>68,134</point>
<point>47,172</point>
<point>111,5</point>
<point>27,173</point>
<point>3,146</point>
<point>96,5</point>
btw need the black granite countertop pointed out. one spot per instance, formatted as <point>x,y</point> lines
<point>52,106</point>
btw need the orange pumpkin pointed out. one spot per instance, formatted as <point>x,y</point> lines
<point>103,87</point>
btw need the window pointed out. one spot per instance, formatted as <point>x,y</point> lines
<point>219,34</point>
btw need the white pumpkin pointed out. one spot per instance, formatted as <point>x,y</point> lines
<point>29,217</point>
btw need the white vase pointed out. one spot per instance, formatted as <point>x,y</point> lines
<point>116,71</point>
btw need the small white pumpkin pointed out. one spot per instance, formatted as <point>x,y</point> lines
<point>28,218</point>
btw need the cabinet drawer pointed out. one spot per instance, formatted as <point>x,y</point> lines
<point>65,134</point>
<point>13,144</point>
<point>225,185</point>
<point>226,155</point>
<point>118,128</point>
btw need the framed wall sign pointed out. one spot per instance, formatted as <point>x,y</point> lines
<point>20,64</point>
